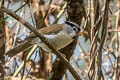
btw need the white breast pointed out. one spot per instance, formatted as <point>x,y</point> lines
<point>59,41</point>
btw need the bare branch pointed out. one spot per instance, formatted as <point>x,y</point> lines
<point>34,30</point>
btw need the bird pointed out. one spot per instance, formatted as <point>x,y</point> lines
<point>59,35</point>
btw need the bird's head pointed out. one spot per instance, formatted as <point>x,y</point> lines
<point>72,29</point>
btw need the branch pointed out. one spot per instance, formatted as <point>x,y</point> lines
<point>103,36</point>
<point>34,30</point>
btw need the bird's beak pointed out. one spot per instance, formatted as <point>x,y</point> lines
<point>80,34</point>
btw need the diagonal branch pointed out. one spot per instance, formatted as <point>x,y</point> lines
<point>34,30</point>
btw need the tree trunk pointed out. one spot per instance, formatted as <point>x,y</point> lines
<point>2,41</point>
<point>76,11</point>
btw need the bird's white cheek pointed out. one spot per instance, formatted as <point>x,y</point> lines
<point>73,34</point>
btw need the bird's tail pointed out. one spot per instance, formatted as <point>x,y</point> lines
<point>21,47</point>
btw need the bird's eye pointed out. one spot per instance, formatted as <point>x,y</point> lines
<point>74,29</point>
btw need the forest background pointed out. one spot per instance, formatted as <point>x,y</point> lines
<point>95,55</point>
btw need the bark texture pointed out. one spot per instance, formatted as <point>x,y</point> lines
<point>2,41</point>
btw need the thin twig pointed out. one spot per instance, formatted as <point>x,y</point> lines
<point>103,36</point>
<point>27,58</point>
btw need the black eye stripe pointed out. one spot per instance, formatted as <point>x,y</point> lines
<point>78,29</point>
<point>73,25</point>
<point>70,24</point>
<point>75,29</point>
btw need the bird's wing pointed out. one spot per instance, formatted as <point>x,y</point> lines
<point>21,47</point>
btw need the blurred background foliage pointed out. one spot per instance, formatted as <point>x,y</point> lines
<point>97,52</point>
